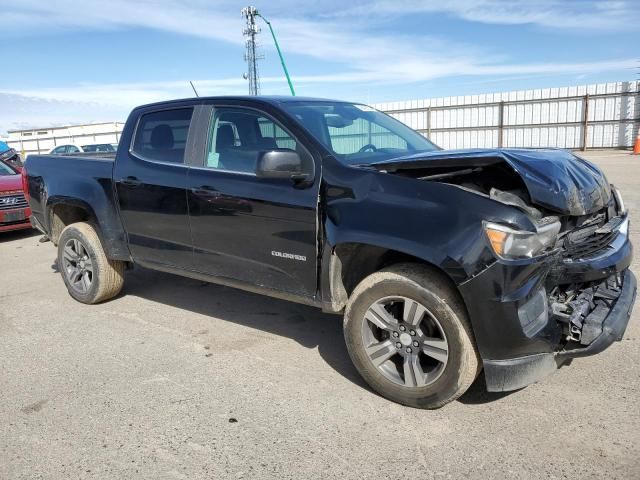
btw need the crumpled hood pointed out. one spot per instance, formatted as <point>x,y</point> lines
<point>555,179</point>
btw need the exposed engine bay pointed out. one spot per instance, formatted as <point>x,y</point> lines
<point>515,179</point>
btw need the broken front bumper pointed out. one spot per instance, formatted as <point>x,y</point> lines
<point>614,323</point>
<point>519,331</point>
<point>515,373</point>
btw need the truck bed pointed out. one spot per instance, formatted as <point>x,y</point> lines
<point>86,177</point>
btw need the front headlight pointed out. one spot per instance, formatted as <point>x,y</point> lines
<point>621,207</point>
<point>509,243</point>
<point>624,227</point>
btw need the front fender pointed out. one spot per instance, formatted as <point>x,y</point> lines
<point>427,253</point>
<point>437,223</point>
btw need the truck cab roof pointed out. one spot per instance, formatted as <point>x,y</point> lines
<point>264,99</point>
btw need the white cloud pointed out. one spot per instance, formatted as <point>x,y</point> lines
<point>19,111</point>
<point>366,56</point>
<point>125,96</point>
<point>586,15</point>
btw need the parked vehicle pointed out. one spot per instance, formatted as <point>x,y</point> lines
<point>10,157</point>
<point>71,148</point>
<point>14,210</point>
<point>98,147</point>
<point>443,262</point>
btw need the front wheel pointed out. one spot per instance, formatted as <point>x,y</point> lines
<point>89,275</point>
<point>408,335</point>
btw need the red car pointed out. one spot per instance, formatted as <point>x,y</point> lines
<point>14,208</point>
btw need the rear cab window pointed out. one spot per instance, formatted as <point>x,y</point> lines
<point>162,136</point>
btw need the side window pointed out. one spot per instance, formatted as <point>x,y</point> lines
<point>275,135</point>
<point>351,135</point>
<point>162,136</point>
<point>238,136</point>
<point>59,150</point>
<point>72,149</point>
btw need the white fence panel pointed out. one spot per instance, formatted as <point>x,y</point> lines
<point>552,117</point>
<point>34,141</point>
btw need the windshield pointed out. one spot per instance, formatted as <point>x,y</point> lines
<point>6,170</point>
<point>357,134</point>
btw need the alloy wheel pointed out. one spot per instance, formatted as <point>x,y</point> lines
<point>405,341</point>
<point>77,265</point>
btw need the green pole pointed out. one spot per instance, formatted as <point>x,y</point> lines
<point>284,66</point>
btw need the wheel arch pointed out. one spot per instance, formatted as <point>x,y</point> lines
<point>348,263</point>
<point>62,211</point>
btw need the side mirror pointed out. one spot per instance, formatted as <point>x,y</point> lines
<point>283,163</point>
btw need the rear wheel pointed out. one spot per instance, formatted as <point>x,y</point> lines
<point>408,335</point>
<point>89,275</point>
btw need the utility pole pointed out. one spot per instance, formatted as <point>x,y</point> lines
<point>251,57</point>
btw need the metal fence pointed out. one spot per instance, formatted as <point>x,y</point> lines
<point>79,135</point>
<point>590,116</point>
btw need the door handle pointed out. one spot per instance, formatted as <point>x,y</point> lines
<point>131,182</point>
<point>206,191</point>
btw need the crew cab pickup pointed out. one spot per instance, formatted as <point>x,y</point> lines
<point>443,263</point>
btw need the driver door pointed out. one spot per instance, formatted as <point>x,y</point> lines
<point>256,230</point>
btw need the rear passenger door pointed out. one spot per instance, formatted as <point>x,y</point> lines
<point>256,230</point>
<point>151,181</point>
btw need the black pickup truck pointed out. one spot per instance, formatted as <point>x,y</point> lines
<point>444,262</point>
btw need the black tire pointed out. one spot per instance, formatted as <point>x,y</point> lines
<point>106,276</point>
<point>452,376</point>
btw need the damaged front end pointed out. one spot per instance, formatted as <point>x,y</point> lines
<point>582,310</point>
<point>559,286</point>
<point>571,302</point>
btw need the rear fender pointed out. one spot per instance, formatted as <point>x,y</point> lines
<point>106,221</point>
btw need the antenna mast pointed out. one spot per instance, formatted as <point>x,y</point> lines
<point>251,56</point>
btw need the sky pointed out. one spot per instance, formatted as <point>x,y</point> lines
<point>72,61</point>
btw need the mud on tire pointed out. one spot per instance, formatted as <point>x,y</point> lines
<point>411,308</point>
<point>90,277</point>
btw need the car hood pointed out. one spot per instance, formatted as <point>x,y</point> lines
<point>555,179</point>
<point>10,183</point>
